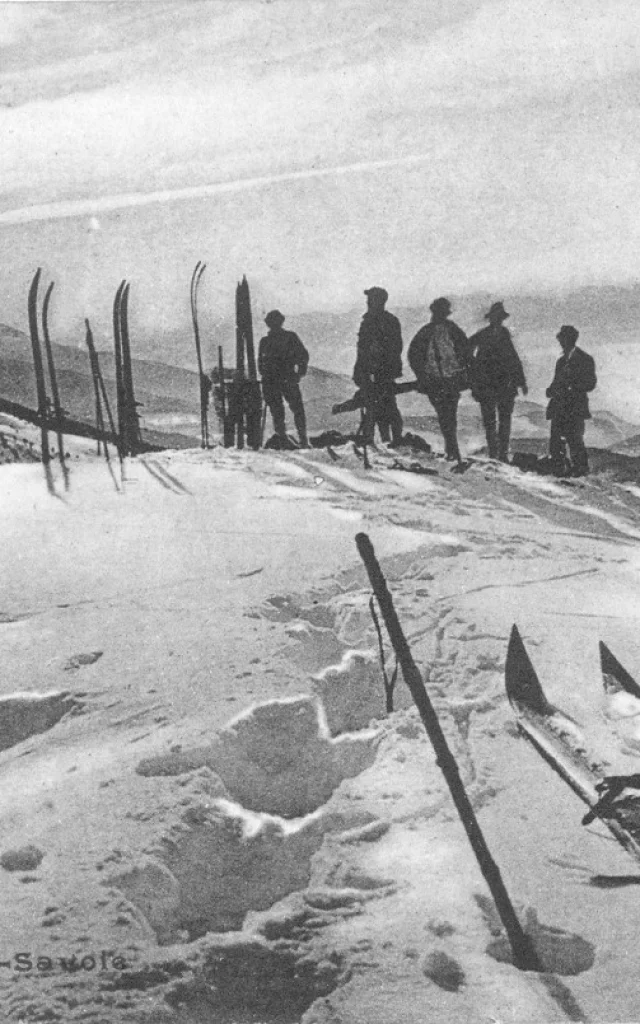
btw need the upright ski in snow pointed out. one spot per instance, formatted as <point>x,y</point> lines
<point>38,367</point>
<point>55,392</point>
<point>251,393</point>
<point>559,740</point>
<point>123,443</point>
<point>131,406</point>
<point>225,405</point>
<point>236,398</point>
<point>196,277</point>
<point>101,397</point>
<point>96,389</point>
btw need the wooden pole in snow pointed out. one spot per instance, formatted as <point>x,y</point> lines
<point>524,954</point>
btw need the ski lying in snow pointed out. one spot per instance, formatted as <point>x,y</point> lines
<point>559,740</point>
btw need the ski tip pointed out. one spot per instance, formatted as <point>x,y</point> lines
<point>522,683</point>
<point>614,676</point>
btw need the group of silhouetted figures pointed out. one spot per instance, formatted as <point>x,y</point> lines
<point>445,363</point>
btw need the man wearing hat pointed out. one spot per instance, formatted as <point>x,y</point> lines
<point>378,363</point>
<point>568,408</point>
<point>496,375</point>
<point>282,361</point>
<point>439,356</point>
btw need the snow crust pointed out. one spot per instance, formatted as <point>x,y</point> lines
<point>234,813</point>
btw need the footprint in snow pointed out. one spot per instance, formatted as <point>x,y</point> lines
<point>78,660</point>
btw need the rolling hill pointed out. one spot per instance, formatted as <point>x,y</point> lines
<point>168,395</point>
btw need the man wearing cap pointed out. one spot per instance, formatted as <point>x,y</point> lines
<point>568,408</point>
<point>439,355</point>
<point>378,363</point>
<point>496,375</point>
<point>282,361</point>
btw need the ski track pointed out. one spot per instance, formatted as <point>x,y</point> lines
<point>521,583</point>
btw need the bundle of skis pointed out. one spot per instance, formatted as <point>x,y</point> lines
<point>241,398</point>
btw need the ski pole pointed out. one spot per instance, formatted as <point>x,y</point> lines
<point>524,954</point>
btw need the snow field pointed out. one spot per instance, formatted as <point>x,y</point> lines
<point>294,862</point>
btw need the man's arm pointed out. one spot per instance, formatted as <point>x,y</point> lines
<point>301,356</point>
<point>587,373</point>
<point>395,346</point>
<point>362,369</point>
<point>261,355</point>
<point>555,387</point>
<point>418,350</point>
<point>462,345</point>
<point>517,369</point>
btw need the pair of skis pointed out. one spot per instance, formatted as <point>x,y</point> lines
<point>559,740</point>
<point>205,382</point>
<point>45,405</point>
<point>130,439</point>
<point>241,400</point>
<point>246,410</point>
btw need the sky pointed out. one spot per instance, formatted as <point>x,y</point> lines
<point>319,146</point>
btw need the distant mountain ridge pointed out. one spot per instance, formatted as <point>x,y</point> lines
<point>603,311</point>
<point>169,396</point>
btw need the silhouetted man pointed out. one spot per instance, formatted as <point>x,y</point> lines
<point>568,409</point>
<point>496,375</point>
<point>282,361</point>
<point>439,357</point>
<point>378,363</point>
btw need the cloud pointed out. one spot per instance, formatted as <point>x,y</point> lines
<point>18,19</point>
<point>499,147</point>
<point>512,49</point>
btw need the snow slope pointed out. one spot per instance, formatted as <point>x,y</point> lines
<point>209,807</point>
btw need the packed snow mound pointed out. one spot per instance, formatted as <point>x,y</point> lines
<point>221,862</point>
<point>352,693</point>
<point>25,714</point>
<point>278,757</point>
<point>243,978</point>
